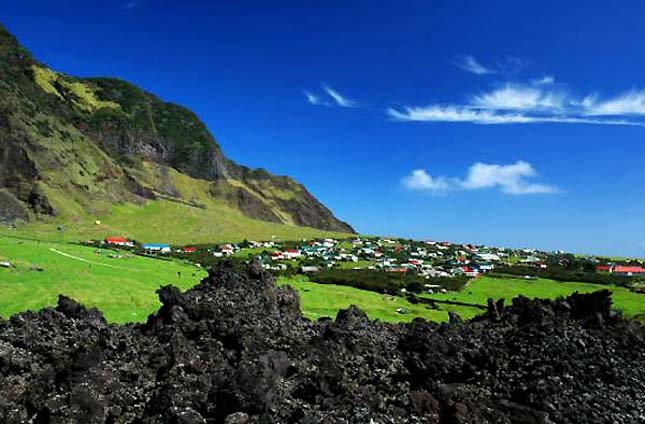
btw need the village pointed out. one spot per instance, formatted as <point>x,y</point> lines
<point>427,259</point>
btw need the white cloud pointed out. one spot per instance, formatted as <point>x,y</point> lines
<point>510,179</point>
<point>132,4</point>
<point>455,113</point>
<point>513,179</point>
<point>451,113</point>
<point>340,99</point>
<point>519,97</point>
<point>330,97</point>
<point>470,64</point>
<point>539,100</point>
<point>515,103</point>
<point>629,103</point>
<point>419,180</point>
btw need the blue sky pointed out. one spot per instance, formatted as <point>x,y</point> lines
<point>484,122</point>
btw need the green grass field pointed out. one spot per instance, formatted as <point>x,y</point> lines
<point>318,300</point>
<point>122,288</point>
<point>478,291</point>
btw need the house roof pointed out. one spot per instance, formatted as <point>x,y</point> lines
<point>116,240</point>
<point>630,269</point>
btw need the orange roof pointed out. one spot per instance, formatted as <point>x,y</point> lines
<point>630,269</point>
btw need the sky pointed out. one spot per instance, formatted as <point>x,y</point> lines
<point>518,125</point>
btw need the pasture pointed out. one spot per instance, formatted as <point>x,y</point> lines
<point>122,286</point>
<point>479,290</point>
<point>318,300</point>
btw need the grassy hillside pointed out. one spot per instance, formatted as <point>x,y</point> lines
<point>170,222</point>
<point>479,290</point>
<point>184,212</point>
<point>318,300</point>
<point>122,288</point>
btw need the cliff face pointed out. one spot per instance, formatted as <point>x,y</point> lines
<point>70,146</point>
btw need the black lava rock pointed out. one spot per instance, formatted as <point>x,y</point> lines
<point>236,349</point>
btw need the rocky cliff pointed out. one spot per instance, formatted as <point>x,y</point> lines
<point>72,146</point>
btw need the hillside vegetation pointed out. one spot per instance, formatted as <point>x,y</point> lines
<point>77,150</point>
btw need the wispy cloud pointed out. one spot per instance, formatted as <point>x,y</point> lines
<point>132,4</point>
<point>629,103</point>
<point>451,113</point>
<point>516,103</point>
<point>330,97</point>
<point>470,64</point>
<point>519,97</point>
<point>545,80</point>
<point>513,179</point>
<point>315,99</point>
<point>506,65</point>
<point>340,99</point>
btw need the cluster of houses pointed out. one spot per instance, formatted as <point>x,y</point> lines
<point>429,258</point>
<point>222,250</point>
<point>426,258</point>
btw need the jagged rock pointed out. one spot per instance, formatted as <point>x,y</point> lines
<point>236,349</point>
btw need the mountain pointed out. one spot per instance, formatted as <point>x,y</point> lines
<point>82,150</point>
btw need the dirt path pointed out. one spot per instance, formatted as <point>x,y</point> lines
<point>67,255</point>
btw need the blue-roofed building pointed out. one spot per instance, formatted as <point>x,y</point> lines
<point>157,247</point>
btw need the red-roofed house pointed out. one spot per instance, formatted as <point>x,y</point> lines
<point>118,241</point>
<point>190,249</point>
<point>470,272</point>
<point>291,254</point>
<point>628,270</point>
<point>603,268</point>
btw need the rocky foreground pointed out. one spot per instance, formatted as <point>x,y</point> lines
<point>235,349</point>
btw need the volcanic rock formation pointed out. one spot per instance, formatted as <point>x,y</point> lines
<point>236,349</point>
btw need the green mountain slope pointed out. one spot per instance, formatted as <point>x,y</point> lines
<point>78,150</point>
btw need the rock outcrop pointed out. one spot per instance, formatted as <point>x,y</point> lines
<point>236,349</point>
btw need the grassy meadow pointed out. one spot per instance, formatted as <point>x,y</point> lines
<point>318,300</point>
<point>479,290</point>
<point>122,288</point>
